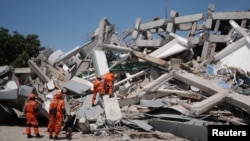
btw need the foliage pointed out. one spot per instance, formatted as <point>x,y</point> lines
<point>16,49</point>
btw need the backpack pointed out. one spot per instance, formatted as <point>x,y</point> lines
<point>53,110</point>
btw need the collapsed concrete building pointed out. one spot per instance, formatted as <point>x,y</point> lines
<point>167,84</point>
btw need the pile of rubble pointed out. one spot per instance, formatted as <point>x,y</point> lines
<point>167,84</point>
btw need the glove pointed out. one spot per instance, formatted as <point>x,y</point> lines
<point>64,111</point>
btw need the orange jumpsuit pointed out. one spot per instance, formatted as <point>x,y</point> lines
<point>52,117</point>
<point>31,111</point>
<point>108,83</point>
<point>55,120</point>
<point>97,87</point>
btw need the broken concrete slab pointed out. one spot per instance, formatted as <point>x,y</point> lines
<point>100,62</point>
<point>10,91</point>
<point>235,55</point>
<point>112,109</point>
<point>182,129</point>
<point>78,85</point>
<point>167,49</point>
<point>157,103</point>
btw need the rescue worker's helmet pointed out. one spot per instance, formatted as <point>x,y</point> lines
<point>32,96</point>
<point>58,94</point>
<point>98,77</point>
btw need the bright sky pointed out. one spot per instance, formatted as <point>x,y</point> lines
<point>66,24</point>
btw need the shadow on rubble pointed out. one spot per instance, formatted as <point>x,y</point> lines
<point>16,121</point>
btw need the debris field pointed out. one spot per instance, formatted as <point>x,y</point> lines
<point>168,87</point>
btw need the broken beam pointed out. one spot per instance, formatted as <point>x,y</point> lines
<point>150,59</point>
<point>180,93</point>
<point>38,71</point>
<point>116,48</point>
<point>232,98</point>
<point>132,76</point>
<point>205,105</point>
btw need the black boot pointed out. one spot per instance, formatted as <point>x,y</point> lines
<point>51,137</point>
<point>38,136</point>
<point>55,137</point>
<point>29,136</point>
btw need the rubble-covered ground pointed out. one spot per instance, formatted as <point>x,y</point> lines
<point>169,87</point>
<point>14,130</point>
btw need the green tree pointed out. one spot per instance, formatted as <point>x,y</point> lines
<point>16,49</point>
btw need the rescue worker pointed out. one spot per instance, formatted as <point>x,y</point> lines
<point>97,88</point>
<point>31,112</point>
<point>56,114</point>
<point>108,83</point>
<point>52,117</point>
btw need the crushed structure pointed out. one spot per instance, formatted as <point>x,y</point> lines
<point>167,84</point>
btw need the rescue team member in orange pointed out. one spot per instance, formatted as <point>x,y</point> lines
<point>108,83</point>
<point>52,117</point>
<point>31,112</point>
<point>56,114</point>
<point>97,88</point>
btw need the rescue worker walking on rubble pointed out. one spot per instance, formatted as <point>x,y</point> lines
<point>108,83</point>
<point>56,114</point>
<point>31,112</point>
<point>52,118</point>
<point>97,88</point>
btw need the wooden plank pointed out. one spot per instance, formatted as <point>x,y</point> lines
<point>150,59</point>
